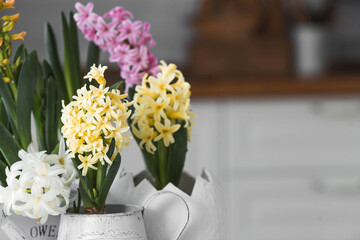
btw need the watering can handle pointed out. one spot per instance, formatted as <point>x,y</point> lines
<point>157,194</point>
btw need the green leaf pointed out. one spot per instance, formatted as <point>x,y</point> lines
<point>56,149</point>
<point>152,164</point>
<point>109,179</point>
<point>74,44</point>
<point>84,181</point>
<point>131,93</point>
<point>53,58</point>
<point>162,160</point>
<point>47,70</point>
<point>2,172</point>
<point>109,155</point>
<point>51,123</point>
<point>26,90</point>
<point>49,73</point>
<point>8,146</point>
<point>151,161</point>
<point>40,84</point>
<point>86,197</point>
<point>110,152</point>
<point>20,53</point>
<point>102,169</point>
<point>116,85</point>
<point>8,102</point>
<point>3,114</point>
<point>177,155</point>
<point>38,109</point>
<point>71,79</point>
<point>19,56</point>
<point>93,57</point>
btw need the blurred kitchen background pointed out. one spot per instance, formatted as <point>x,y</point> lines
<point>276,90</point>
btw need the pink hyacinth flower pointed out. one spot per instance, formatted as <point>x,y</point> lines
<point>121,53</point>
<point>89,33</point>
<point>146,38</point>
<point>105,31</point>
<point>130,31</point>
<point>118,14</point>
<point>140,57</point>
<point>127,42</point>
<point>84,16</point>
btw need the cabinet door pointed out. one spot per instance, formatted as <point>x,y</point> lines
<point>279,209</point>
<point>293,169</point>
<point>294,133</point>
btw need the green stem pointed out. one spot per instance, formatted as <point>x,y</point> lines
<point>99,177</point>
<point>77,209</point>
<point>162,156</point>
<point>91,175</point>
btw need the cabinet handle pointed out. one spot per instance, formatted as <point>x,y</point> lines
<point>334,109</point>
<point>336,187</point>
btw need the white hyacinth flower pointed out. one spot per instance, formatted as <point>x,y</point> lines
<point>63,159</point>
<point>37,186</point>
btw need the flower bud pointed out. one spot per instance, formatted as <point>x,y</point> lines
<point>18,36</point>
<point>7,4</point>
<point>11,18</point>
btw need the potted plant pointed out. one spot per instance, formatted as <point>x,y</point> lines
<point>161,122</point>
<point>93,126</point>
<point>30,94</point>
<point>26,90</point>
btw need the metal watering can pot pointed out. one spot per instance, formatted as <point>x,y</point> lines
<point>17,227</point>
<point>120,221</point>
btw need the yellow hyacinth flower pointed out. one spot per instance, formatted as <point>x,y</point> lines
<point>146,134</point>
<point>161,104</point>
<point>97,73</point>
<point>92,120</point>
<point>86,163</point>
<point>166,132</point>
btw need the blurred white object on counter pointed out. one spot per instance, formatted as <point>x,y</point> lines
<point>310,50</point>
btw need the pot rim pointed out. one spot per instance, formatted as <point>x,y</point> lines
<point>133,209</point>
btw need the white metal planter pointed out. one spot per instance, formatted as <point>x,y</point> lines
<point>17,227</point>
<point>197,213</point>
<point>120,222</point>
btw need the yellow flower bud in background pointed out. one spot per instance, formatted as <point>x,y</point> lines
<point>5,62</point>
<point>6,79</point>
<point>12,18</point>
<point>7,4</point>
<point>18,36</point>
<point>9,22</point>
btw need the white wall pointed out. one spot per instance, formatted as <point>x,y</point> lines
<point>169,21</point>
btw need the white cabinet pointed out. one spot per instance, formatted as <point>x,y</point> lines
<point>294,169</point>
<point>274,208</point>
